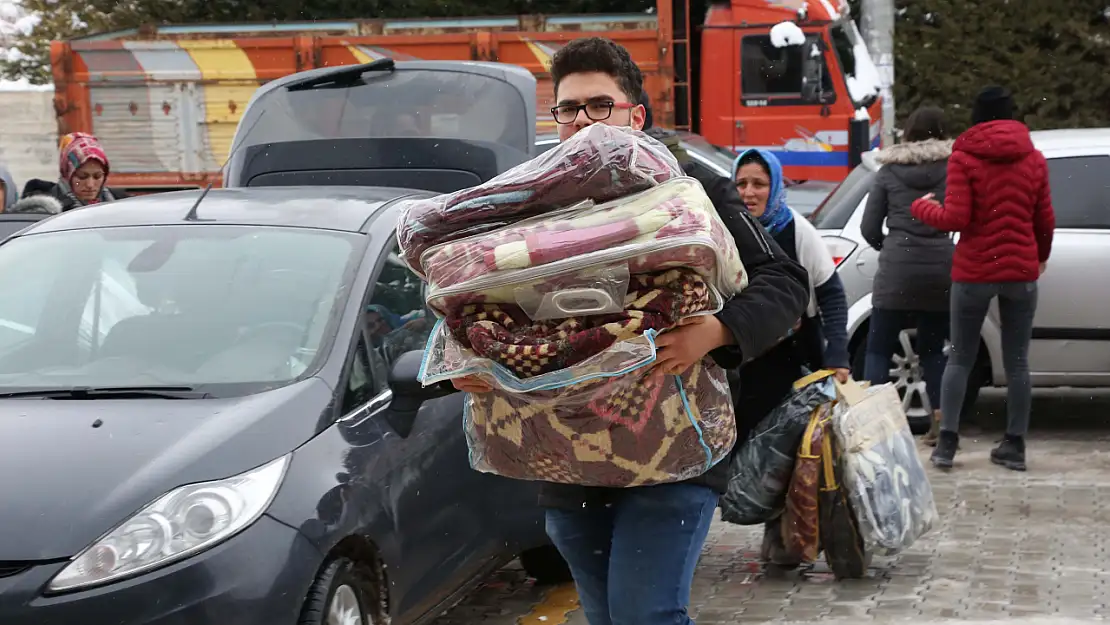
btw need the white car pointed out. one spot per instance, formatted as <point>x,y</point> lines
<point>1071,330</point>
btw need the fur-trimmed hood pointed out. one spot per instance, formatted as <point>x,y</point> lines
<point>915,152</point>
<point>41,204</point>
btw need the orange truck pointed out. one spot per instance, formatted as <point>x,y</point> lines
<point>786,75</point>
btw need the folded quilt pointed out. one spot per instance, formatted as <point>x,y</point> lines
<point>505,334</point>
<point>670,225</point>
<point>598,163</point>
<point>634,429</point>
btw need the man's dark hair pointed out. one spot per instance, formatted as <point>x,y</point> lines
<point>597,54</point>
<point>927,122</point>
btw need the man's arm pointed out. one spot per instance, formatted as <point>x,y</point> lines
<point>778,288</point>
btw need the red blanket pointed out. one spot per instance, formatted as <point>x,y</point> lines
<point>599,163</point>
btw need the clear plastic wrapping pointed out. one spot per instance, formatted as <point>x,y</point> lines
<point>598,163</point>
<point>520,354</point>
<point>589,292</point>
<point>887,484</point>
<point>622,429</point>
<point>763,464</point>
<point>670,225</point>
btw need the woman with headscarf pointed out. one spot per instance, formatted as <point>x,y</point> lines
<point>820,340</point>
<point>83,171</point>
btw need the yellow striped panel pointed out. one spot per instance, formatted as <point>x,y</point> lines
<point>543,56</point>
<point>360,56</point>
<point>229,81</point>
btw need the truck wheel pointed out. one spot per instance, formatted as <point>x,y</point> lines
<point>546,565</point>
<point>345,592</point>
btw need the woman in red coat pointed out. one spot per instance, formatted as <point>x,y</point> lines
<point>998,200</point>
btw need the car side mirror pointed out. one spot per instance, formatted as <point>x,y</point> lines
<point>409,393</point>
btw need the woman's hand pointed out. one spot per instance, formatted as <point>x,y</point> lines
<point>680,348</point>
<point>471,384</point>
<point>842,375</point>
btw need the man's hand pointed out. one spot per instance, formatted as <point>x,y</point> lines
<point>471,384</point>
<point>842,375</point>
<point>1041,269</point>
<point>680,348</point>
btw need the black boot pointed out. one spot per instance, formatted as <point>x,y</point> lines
<point>947,443</point>
<point>1010,453</point>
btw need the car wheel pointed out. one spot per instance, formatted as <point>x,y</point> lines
<point>345,592</point>
<point>546,565</point>
<point>908,377</point>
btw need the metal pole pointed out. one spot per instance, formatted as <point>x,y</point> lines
<point>877,26</point>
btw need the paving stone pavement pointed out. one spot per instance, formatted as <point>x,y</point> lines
<point>1009,546</point>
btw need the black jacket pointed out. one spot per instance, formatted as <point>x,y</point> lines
<point>758,317</point>
<point>915,259</point>
<point>37,187</point>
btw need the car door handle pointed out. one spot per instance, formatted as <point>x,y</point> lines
<point>861,261</point>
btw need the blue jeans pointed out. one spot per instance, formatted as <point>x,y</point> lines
<point>633,560</point>
<point>882,342</point>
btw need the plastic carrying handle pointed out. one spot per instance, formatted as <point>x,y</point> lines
<point>600,299</point>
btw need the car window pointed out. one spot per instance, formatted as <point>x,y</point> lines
<point>1080,191</point>
<point>361,383</point>
<point>396,319</point>
<point>835,211</point>
<point>8,228</point>
<point>209,306</point>
<point>409,103</point>
<point>771,75</point>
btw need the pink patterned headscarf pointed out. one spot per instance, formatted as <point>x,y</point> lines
<point>78,148</point>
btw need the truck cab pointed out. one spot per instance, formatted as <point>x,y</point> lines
<point>788,76</point>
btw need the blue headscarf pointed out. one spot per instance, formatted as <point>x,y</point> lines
<point>777,215</point>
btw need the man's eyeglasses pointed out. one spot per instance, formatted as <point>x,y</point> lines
<point>596,111</point>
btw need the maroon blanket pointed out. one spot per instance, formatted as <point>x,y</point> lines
<point>599,163</point>
<point>505,334</point>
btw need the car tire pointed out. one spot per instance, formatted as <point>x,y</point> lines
<point>546,565</point>
<point>919,423</point>
<point>345,592</point>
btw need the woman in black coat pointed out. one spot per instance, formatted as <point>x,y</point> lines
<point>913,281</point>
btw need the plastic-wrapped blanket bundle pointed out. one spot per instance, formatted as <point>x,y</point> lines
<point>668,226</point>
<point>598,163</point>
<point>763,465</point>
<point>888,487</point>
<point>632,429</point>
<point>555,296</point>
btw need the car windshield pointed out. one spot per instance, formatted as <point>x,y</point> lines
<point>232,309</point>
<point>720,159</point>
<point>835,211</point>
<point>411,103</point>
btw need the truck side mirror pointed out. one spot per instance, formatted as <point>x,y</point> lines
<point>812,69</point>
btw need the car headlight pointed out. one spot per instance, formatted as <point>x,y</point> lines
<point>180,523</point>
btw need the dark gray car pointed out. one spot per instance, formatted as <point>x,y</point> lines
<point>212,416</point>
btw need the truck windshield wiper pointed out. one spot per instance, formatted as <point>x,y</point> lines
<point>110,392</point>
<point>346,76</point>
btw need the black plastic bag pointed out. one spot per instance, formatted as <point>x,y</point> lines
<point>762,465</point>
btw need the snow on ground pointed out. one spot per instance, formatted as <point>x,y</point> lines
<point>14,21</point>
<point>787,34</point>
